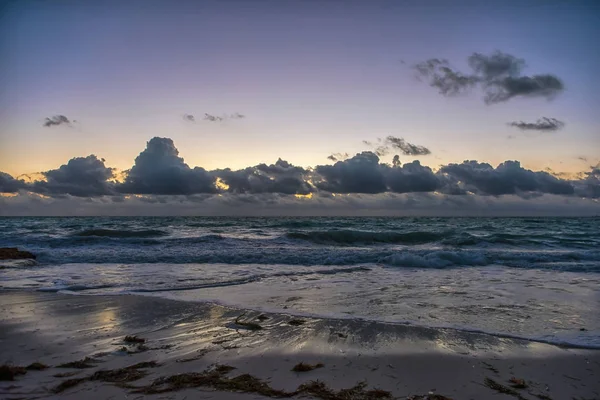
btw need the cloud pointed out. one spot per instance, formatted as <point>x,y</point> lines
<point>159,170</point>
<point>497,75</point>
<point>508,178</point>
<point>547,86</point>
<point>338,156</point>
<point>273,204</point>
<point>444,78</point>
<point>8,184</point>
<point>212,118</point>
<point>543,124</point>
<point>589,186</point>
<point>56,120</point>
<point>281,177</point>
<point>408,149</point>
<point>215,118</point>
<point>80,177</point>
<point>359,174</point>
<point>189,118</point>
<point>411,178</point>
<point>384,146</point>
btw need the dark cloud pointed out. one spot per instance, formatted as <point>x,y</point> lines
<point>547,86</point>
<point>497,65</point>
<point>589,186</point>
<point>508,178</point>
<point>189,118</point>
<point>281,177</point>
<point>338,156</point>
<point>216,118</point>
<point>408,149</point>
<point>80,177</point>
<point>159,170</point>
<point>445,79</point>
<point>410,178</point>
<point>56,120</point>
<point>584,159</point>
<point>212,118</point>
<point>8,184</point>
<point>359,174</point>
<point>498,75</point>
<point>543,124</point>
<point>385,146</point>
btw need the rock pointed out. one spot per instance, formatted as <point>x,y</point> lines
<point>12,253</point>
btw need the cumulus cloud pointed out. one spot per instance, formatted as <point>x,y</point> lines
<point>80,177</point>
<point>189,118</point>
<point>498,75</point>
<point>216,118</point>
<point>56,120</point>
<point>385,146</point>
<point>159,170</point>
<point>359,174</point>
<point>508,178</point>
<point>589,186</point>
<point>542,124</point>
<point>8,184</point>
<point>281,177</point>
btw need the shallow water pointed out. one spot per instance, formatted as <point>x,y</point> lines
<point>526,277</point>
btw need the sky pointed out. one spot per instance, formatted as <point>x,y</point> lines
<point>321,85</point>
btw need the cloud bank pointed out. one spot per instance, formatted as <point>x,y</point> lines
<point>159,175</point>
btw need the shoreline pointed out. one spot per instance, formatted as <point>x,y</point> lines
<point>350,318</point>
<point>186,337</point>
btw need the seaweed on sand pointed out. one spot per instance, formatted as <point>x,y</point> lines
<point>69,383</point>
<point>319,390</point>
<point>518,383</point>
<point>429,397</point>
<point>492,384</point>
<point>134,339</point>
<point>303,367</point>
<point>297,322</point>
<point>9,372</point>
<point>79,364</point>
<point>36,366</point>
<point>253,326</point>
<point>120,376</point>
<point>246,383</point>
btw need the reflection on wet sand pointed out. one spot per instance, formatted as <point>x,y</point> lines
<point>187,337</point>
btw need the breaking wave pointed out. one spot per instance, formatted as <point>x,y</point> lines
<point>122,233</point>
<point>349,237</point>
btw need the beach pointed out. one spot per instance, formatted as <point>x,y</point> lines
<point>393,360</point>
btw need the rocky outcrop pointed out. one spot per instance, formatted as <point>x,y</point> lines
<point>12,253</point>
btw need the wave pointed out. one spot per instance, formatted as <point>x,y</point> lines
<point>122,233</point>
<point>349,237</point>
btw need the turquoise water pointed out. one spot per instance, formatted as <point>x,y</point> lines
<point>530,277</point>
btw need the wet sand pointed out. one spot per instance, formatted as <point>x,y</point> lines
<point>185,337</point>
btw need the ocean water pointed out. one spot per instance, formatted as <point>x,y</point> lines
<point>536,278</point>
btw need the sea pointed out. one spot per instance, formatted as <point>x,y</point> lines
<point>533,278</point>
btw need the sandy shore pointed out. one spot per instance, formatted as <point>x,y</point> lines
<point>195,339</point>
